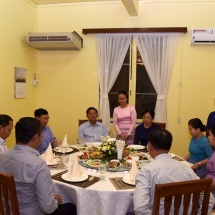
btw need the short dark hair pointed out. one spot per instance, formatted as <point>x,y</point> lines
<point>123,92</point>
<point>39,112</point>
<point>5,120</point>
<point>26,128</point>
<point>212,129</point>
<point>91,108</point>
<point>160,139</point>
<point>197,123</point>
<point>150,111</point>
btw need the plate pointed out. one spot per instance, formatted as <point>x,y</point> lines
<point>117,162</point>
<point>95,144</point>
<point>83,178</point>
<point>127,180</point>
<point>52,163</point>
<point>93,163</point>
<point>82,148</point>
<point>60,151</point>
<point>130,165</point>
<point>137,147</point>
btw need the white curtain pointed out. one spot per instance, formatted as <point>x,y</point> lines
<point>112,49</point>
<point>157,51</point>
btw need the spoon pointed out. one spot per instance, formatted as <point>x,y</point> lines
<point>90,179</point>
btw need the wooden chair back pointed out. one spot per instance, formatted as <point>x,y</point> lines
<point>8,198</point>
<point>81,121</point>
<point>161,124</point>
<point>180,193</point>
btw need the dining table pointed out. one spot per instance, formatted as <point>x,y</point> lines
<point>111,196</point>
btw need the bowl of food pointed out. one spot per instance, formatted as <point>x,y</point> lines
<point>113,164</point>
<point>96,155</point>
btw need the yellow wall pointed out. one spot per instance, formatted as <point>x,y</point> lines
<point>17,19</point>
<point>68,80</point>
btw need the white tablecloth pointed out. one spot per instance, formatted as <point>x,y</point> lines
<point>101,198</point>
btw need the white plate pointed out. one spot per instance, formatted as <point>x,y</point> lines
<point>83,178</point>
<point>95,160</point>
<point>137,147</point>
<point>52,163</point>
<point>60,151</point>
<point>127,180</point>
<point>95,144</point>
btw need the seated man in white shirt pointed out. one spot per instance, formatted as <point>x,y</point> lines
<point>92,130</point>
<point>6,126</point>
<point>163,169</point>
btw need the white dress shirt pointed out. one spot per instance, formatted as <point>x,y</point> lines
<point>162,170</point>
<point>3,146</point>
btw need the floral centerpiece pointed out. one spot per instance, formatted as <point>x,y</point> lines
<point>108,147</point>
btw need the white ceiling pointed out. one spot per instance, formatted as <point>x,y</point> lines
<point>39,2</point>
<point>130,5</point>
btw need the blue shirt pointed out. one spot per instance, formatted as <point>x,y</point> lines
<point>47,137</point>
<point>142,133</point>
<point>32,178</point>
<point>92,133</point>
<point>211,120</point>
<point>200,149</point>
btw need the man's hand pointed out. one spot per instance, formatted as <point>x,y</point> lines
<point>58,197</point>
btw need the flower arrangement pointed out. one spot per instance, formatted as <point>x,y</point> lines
<point>108,146</point>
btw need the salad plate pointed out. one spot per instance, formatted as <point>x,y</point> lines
<point>83,178</point>
<point>93,163</point>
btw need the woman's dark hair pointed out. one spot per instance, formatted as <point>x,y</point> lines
<point>26,128</point>
<point>197,123</point>
<point>213,130</point>
<point>123,92</point>
<point>150,111</point>
<point>160,139</point>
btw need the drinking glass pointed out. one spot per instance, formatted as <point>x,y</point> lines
<point>102,170</point>
<point>82,142</point>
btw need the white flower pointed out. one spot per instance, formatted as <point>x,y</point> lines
<point>111,140</point>
<point>104,148</point>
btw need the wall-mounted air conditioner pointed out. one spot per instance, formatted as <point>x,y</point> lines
<point>203,36</point>
<point>55,41</point>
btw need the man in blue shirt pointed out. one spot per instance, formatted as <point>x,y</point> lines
<point>92,130</point>
<point>32,176</point>
<point>47,136</point>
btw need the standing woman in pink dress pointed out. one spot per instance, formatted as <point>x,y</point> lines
<point>124,119</point>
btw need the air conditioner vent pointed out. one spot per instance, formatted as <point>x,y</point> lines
<point>204,36</point>
<point>55,41</point>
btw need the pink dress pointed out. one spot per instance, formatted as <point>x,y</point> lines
<point>124,120</point>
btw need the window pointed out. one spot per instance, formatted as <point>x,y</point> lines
<point>135,80</point>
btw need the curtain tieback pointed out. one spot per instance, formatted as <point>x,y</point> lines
<point>104,96</point>
<point>161,97</point>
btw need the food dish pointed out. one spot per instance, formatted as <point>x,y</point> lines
<point>95,144</point>
<point>113,164</point>
<point>129,164</point>
<point>127,180</point>
<point>137,147</point>
<point>59,150</point>
<point>82,148</point>
<point>83,178</point>
<point>93,163</point>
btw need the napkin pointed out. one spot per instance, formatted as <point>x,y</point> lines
<point>75,171</point>
<point>48,156</point>
<point>64,142</point>
<point>133,170</point>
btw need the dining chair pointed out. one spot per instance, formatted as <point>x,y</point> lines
<point>180,193</point>
<point>161,124</point>
<point>8,198</point>
<point>81,121</point>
